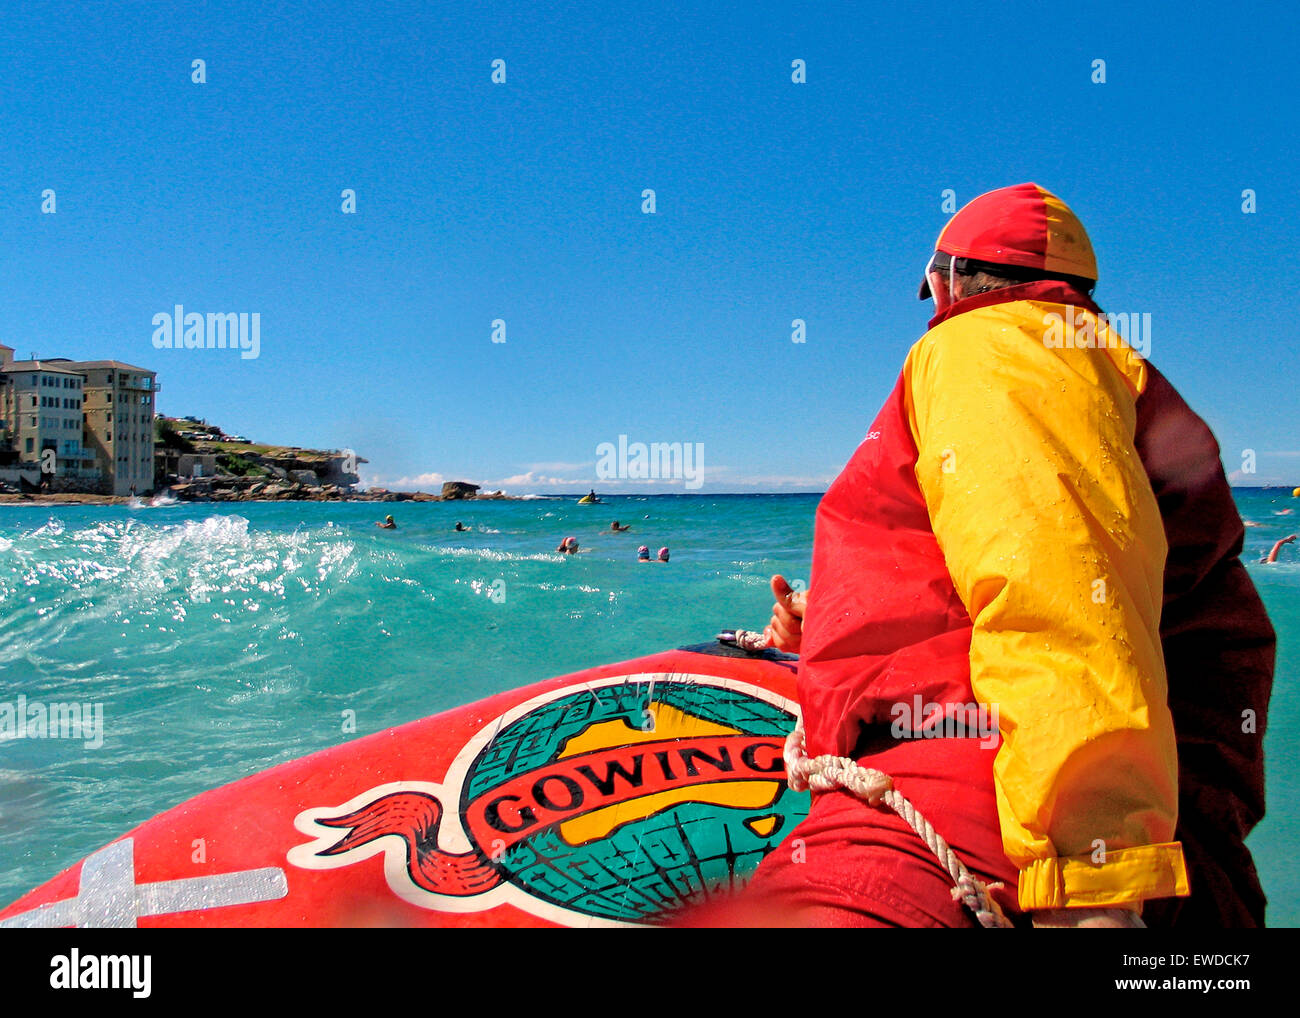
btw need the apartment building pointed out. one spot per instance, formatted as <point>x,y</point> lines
<point>98,417</point>
<point>41,410</point>
<point>119,421</point>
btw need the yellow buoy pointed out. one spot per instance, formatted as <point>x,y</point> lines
<point>1296,493</point>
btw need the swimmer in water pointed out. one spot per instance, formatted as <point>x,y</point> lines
<point>1272,555</point>
<point>643,554</point>
<point>663,554</point>
<point>388,524</point>
<point>616,528</point>
<point>461,528</point>
<point>569,546</point>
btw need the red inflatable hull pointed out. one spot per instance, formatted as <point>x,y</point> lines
<point>619,795</point>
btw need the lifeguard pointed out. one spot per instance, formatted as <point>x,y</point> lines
<point>1047,530</point>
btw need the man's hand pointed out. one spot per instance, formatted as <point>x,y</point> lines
<point>1087,919</point>
<point>785,631</point>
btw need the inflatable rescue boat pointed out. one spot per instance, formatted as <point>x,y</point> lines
<point>621,795</point>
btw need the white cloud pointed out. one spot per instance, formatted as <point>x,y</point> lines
<point>421,482</point>
<point>541,481</point>
<point>1256,480</point>
<point>532,479</point>
<point>732,477</point>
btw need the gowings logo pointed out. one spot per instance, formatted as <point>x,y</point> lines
<point>623,801</point>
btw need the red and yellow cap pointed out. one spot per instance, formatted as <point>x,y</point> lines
<point>1025,226</point>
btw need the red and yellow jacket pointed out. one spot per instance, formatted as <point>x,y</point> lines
<point>1000,536</point>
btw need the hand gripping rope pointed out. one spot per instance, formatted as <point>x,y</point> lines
<point>826,773</point>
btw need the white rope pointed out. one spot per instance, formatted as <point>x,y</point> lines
<point>746,640</point>
<point>825,773</point>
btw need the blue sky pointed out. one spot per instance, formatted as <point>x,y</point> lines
<point>522,202</point>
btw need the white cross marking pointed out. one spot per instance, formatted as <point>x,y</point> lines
<point>109,895</point>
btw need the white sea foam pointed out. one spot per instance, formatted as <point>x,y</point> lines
<point>492,555</point>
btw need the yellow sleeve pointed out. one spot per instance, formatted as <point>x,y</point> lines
<point>1055,545</point>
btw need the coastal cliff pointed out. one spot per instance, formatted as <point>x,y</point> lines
<point>197,461</point>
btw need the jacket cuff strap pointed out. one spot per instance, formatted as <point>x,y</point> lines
<point>1125,878</point>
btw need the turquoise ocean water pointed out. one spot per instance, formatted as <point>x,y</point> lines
<point>222,640</point>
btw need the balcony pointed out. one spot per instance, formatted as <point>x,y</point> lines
<point>77,466</point>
